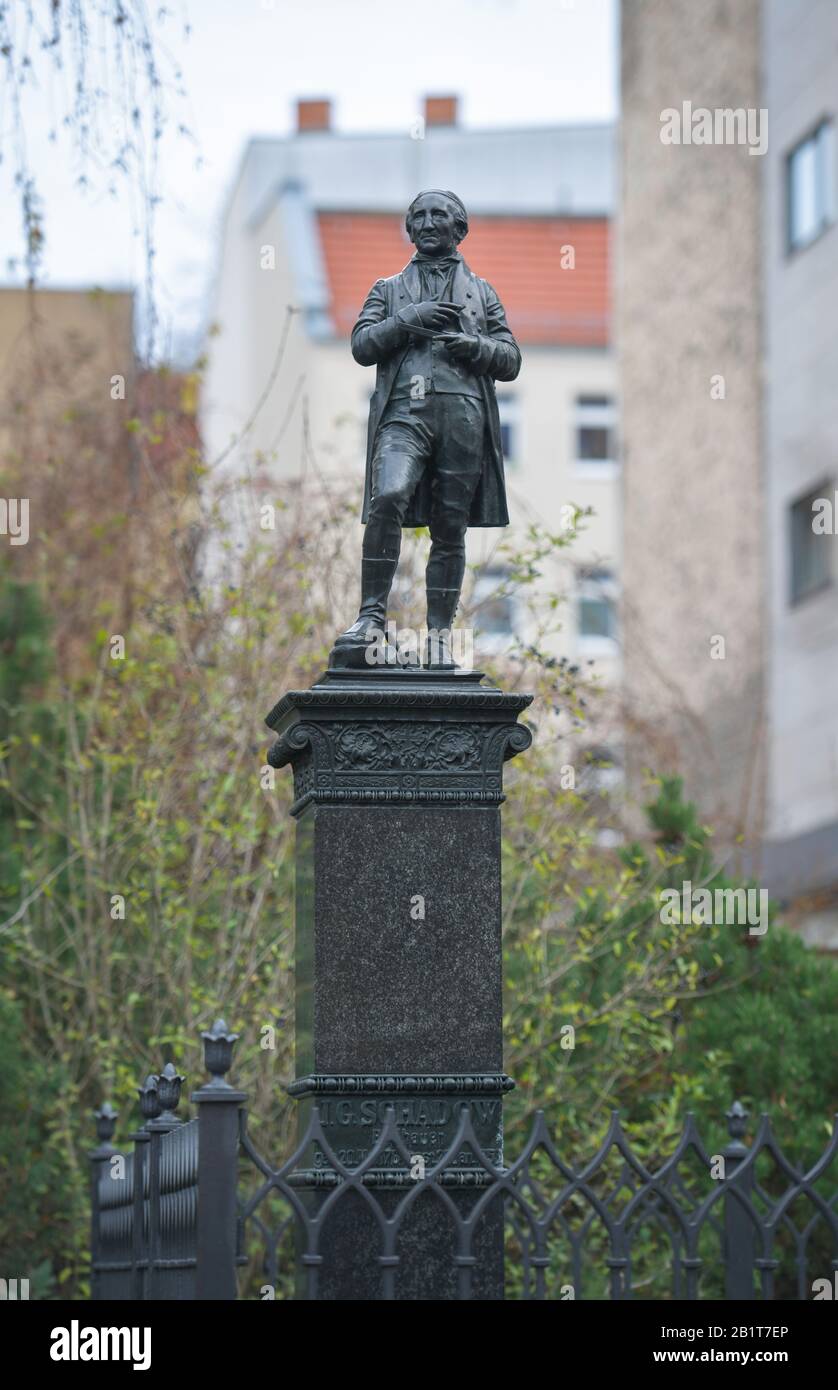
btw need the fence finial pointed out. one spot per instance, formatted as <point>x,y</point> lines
<point>150,1106</point>
<point>106,1118</point>
<point>218,1053</point>
<point>737,1119</point>
<point>169,1083</point>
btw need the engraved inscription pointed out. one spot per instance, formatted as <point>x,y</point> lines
<point>427,1126</point>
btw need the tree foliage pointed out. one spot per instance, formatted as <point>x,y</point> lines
<point>148,853</point>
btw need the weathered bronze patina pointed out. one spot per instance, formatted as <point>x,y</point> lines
<point>438,337</point>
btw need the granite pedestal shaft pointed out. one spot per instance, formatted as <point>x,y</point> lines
<point>397,793</point>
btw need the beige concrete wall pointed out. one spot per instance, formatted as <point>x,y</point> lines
<point>59,350</point>
<point>688,295</point>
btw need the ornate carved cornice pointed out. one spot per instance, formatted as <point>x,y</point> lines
<point>373,738</point>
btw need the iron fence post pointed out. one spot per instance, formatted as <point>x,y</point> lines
<point>106,1118</point>
<point>168,1095</point>
<point>218,1150</point>
<point>739,1246</point>
<point>150,1109</point>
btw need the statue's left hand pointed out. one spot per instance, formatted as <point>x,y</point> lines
<point>463,347</point>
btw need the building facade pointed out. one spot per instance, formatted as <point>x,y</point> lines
<point>726,329</point>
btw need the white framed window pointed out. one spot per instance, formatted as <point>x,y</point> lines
<point>595,437</point>
<point>493,608</point>
<point>596,612</point>
<point>811,552</point>
<point>810,187</point>
<point>509,411</point>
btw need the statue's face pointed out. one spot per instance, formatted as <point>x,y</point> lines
<point>433,225</point>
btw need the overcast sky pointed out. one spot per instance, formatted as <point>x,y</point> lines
<point>512,62</point>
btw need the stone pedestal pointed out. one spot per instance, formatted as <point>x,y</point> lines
<point>398,785</point>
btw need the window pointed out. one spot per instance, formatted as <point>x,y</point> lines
<point>493,606</point>
<point>811,550</point>
<point>810,187</point>
<point>595,429</point>
<point>510,427</point>
<point>597,609</point>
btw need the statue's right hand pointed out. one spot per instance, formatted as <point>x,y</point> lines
<point>431,314</point>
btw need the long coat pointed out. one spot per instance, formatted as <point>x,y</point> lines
<point>379,338</point>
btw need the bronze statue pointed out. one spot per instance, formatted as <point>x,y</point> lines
<point>438,337</point>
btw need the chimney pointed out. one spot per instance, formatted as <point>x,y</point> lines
<point>313,115</point>
<point>441,111</point>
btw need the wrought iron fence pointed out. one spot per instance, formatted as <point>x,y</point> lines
<point>145,1204</point>
<point>197,1212</point>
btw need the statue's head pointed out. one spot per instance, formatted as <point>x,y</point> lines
<point>436,222</point>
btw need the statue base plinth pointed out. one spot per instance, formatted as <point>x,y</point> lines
<point>397,794</point>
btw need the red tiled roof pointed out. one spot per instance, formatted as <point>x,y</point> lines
<point>520,256</point>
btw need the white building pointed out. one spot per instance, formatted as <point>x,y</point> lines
<point>799,59</point>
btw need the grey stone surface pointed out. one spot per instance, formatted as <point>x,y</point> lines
<point>426,1246</point>
<point>398,785</point>
<point>392,992</point>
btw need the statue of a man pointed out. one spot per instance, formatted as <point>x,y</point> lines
<point>438,336</point>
